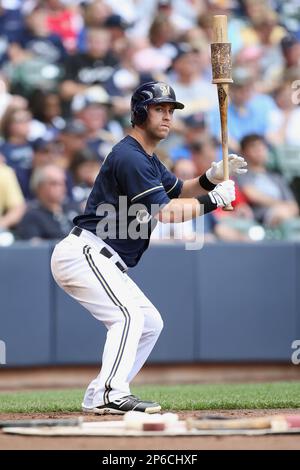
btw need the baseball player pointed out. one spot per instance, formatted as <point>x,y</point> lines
<point>91,263</point>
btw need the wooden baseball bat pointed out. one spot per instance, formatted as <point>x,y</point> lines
<point>221,69</point>
<point>235,423</point>
<point>275,422</point>
<point>32,423</point>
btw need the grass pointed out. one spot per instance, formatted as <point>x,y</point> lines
<point>175,398</point>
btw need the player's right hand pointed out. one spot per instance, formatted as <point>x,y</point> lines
<point>223,194</point>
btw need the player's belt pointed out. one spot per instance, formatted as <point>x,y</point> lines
<point>76,231</point>
<point>104,251</point>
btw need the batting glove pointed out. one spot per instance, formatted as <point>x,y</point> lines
<point>223,194</point>
<point>236,165</point>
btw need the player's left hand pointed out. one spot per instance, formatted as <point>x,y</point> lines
<point>236,165</point>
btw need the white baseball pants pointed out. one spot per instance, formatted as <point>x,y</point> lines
<point>109,294</point>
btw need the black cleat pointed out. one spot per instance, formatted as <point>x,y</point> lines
<point>127,403</point>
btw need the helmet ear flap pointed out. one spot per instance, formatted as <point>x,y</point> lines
<point>139,115</point>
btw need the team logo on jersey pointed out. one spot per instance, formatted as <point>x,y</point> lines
<point>165,89</point>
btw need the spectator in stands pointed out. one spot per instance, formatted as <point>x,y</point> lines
<point>46,152</point>
<point>28,72</point>
<point>235,23</point>
<point>290,46</point>
<point>11,28</point>
<point>268,193</point>
<point>262,26</point>
<point>286,141</point>
<point>289,14</point>
<point>95,14</point>
<point>92,108</point>
<point>182,13</point>
<point>248,112</point>
<point>188,78</point>
<point>47,111</point>
<point>73,139</point>
<point>35,55</point>
<point>12,204</point>
<point>84,169</point>
<point>286,117</point>
<point>8,99</point>
<point>5,96</point>
<point>50,216</point>
<point>52,152</point>
<point>62,150</point>
<point>16,148</point>
<point>158,55</point>
<point>125,79</point>
<point>262,51</point>
<point>194,129</point>
<point>271,64</point>
<point>117,27</point>
<point>64,19</point>
<point>95,66</point>
<point>203,152</point>
<point>39,40</point>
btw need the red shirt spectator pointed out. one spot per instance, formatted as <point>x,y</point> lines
<point>66,23</point>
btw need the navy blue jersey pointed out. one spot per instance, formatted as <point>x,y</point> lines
<point>130,182</point>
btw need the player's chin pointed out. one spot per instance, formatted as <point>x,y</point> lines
<point>163,132</point>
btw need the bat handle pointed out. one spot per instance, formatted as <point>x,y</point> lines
<point>229,206</point>
<point>223,104</point>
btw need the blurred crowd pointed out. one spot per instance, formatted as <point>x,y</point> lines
<point>69,67</point>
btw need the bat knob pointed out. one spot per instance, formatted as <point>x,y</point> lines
<point>229,207</point>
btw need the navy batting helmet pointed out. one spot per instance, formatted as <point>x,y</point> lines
<point>151,93</point>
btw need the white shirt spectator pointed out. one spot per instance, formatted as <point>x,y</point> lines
<point>291,133</point>
<point>200,95</point>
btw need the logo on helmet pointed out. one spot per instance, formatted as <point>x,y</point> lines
<point>149,93</point>
<point>165,89</point>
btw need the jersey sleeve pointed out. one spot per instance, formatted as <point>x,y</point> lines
<point>171,183</point>
<point>139,181</point>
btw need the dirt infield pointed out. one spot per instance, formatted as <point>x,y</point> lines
<point>13,442</point>
<point>174,374</point>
